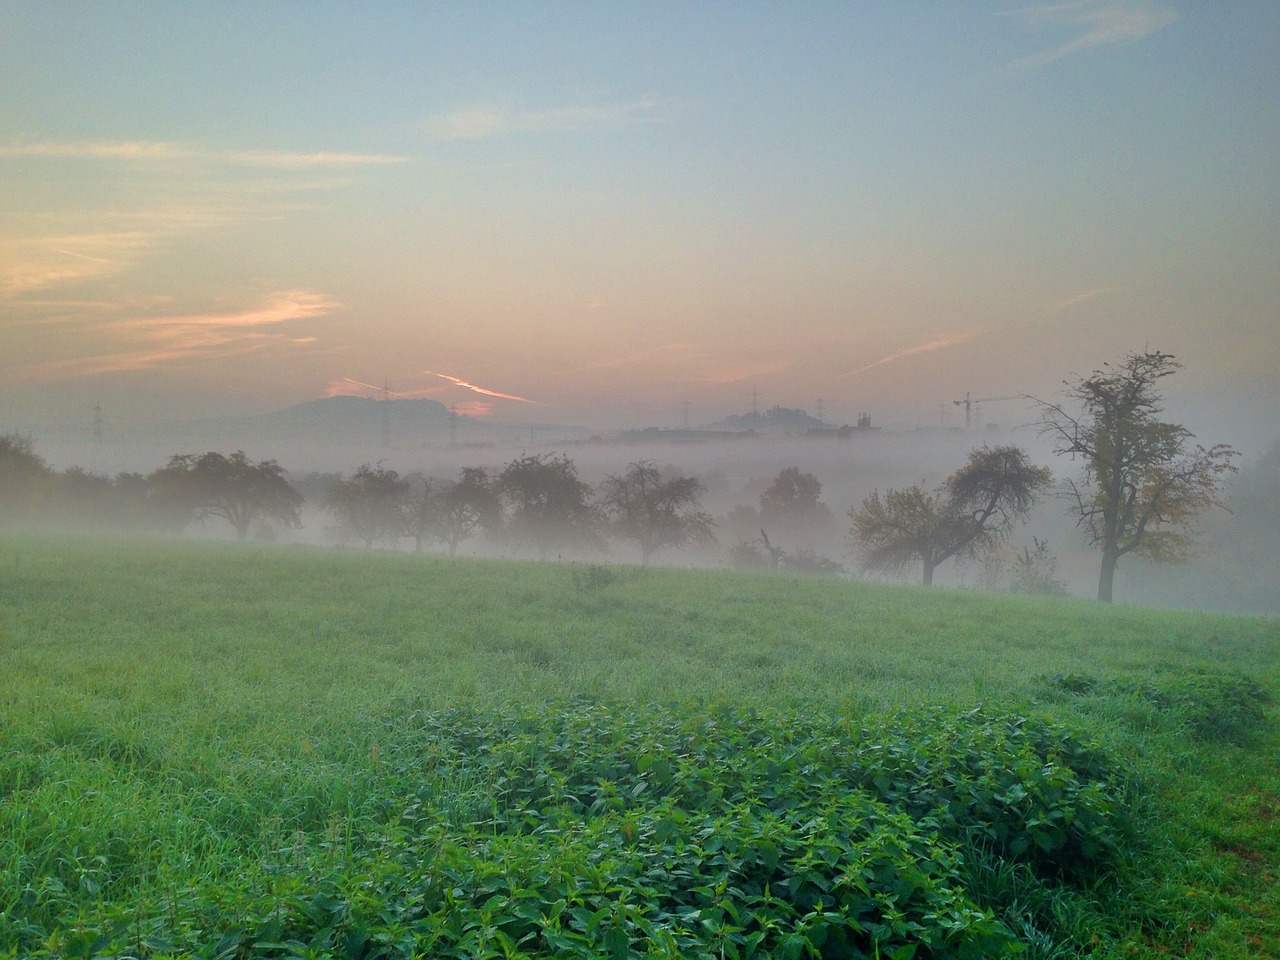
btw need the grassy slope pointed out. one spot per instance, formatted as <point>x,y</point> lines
<point>256,678</point>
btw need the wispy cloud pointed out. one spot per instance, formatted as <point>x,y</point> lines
<point>184,189</point>
<point>496,120</point>
<point>35,263</point>
<point>1081,297</point>
<point>483,390</point>
<point>926,347</point>
<point>165,152</point>
<point>143,342</point>
<point>1094,23</point>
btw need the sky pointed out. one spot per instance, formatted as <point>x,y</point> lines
<point>611,214</point>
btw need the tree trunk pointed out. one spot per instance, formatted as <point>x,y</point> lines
<point>929,567</point>
<point>1106,580</point>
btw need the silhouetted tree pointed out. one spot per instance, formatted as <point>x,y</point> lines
<point>1142,486</point>
<point>655,512</point>
<point>466,507</point>
<point>546,504</point>
<point>974,509</point>
<point>420,509</point>
<point>370,506</point>
<point>793,502</point>
<point>23,478</point>
<point>452,512</point>
<point>232,488</point>
<point>85,499</point>
<point>790,506</point>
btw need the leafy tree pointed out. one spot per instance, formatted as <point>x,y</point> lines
<point>547,505</point>
<point>85,499</point>
<point>467,506</point>
<point>451,512</point>
<point>369,507</point>
<point>792,503</point>
<point>974,509</point>
<point>232,488</point>
<point>656,512</point>
<point>789,506</point>
<point>1142,486</point>
<point>23,475</point>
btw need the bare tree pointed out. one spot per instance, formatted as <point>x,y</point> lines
<point>656,512</point>
<point>776,554</point>
<point>1142,485</point>
<point>973,510</point>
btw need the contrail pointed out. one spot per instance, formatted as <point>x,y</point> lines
<point>391,393</point>
<point>918,348</point>
<point>488,393</point>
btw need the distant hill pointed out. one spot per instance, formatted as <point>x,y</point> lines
<point>773,420</point>
<point>354,421</point>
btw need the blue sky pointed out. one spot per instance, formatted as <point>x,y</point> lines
<point>600,210</point>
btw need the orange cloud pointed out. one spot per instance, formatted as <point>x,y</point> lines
<point>152,341</point>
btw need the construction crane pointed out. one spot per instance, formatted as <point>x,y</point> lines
<point>968,404</point>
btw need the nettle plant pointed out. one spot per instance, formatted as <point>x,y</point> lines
<point>597,830</point>
<point>593,830</point>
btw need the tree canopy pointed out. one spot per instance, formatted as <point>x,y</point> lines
<point>655,512</point>
<point>792,504</point>
<point>233,488</point>
<point>547,506</point>
<point>1142,484</point>
<point>22,472</point>
<point>370,506</point>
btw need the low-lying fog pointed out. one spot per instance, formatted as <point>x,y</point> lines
<point>1236,569</point>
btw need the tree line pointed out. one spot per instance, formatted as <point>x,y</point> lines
<point>1140,487</point>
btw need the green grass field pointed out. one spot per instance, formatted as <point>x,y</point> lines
<point>232,751</point>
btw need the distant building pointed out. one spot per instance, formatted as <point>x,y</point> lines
<point>845,432</point>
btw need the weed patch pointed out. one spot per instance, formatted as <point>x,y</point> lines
<point>1211,706</point>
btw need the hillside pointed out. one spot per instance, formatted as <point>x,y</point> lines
<point>258,733</point>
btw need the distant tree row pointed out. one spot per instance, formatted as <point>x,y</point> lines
<point>537,501</point>
<point>1141,487</point>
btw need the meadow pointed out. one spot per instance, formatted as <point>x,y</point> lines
<point>220,750</point>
